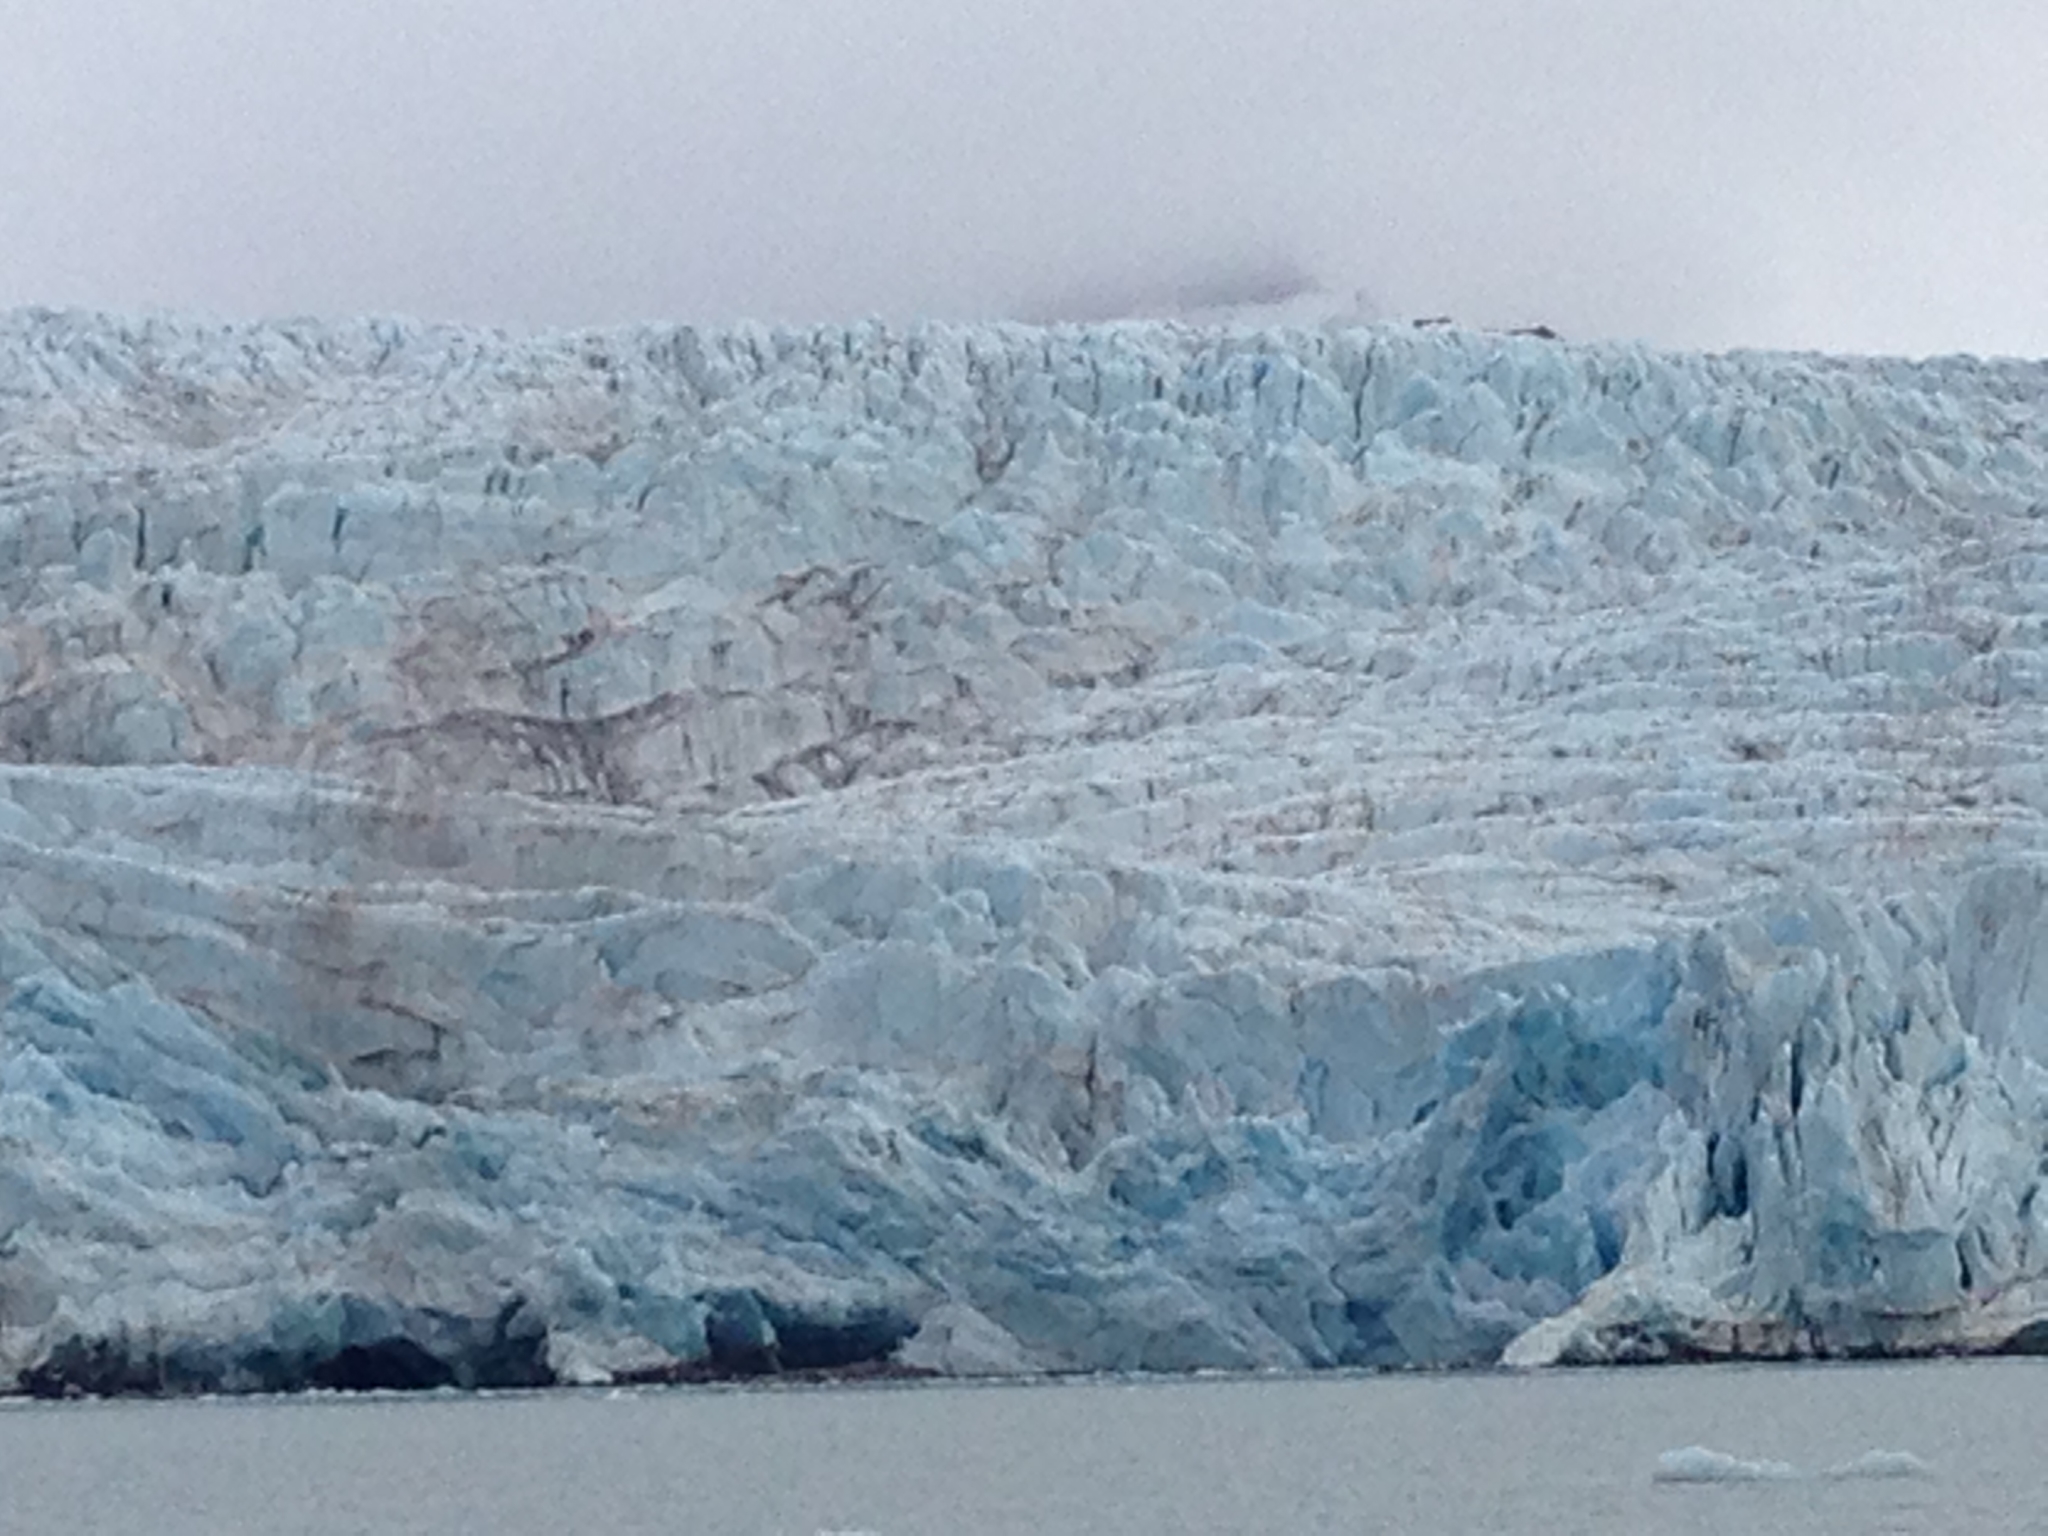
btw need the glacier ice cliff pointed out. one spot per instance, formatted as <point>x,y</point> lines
<point>668,852</point>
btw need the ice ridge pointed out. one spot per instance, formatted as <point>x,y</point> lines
<point>663,853</point>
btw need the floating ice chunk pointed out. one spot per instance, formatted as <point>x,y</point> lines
<point>1881,1464</point>
<point>1697,1464</point>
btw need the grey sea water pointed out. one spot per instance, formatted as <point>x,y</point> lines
<point>1546,1453</point>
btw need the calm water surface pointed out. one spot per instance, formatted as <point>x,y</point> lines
<point>1553,1453</point>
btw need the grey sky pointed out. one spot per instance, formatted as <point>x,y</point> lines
<point>1855,174</point>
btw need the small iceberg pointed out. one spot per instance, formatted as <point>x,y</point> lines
<point>1697,1464</point>
<point>1881,1464</point>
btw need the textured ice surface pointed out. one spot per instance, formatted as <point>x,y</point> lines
<point>1133,848</point>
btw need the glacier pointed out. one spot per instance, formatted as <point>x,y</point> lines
<point>666,853</point>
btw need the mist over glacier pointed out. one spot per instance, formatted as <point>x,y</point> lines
<point>996,849</point>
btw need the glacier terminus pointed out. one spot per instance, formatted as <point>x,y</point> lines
<point>664,853</point>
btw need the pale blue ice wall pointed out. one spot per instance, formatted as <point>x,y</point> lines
<point>1126,847</point>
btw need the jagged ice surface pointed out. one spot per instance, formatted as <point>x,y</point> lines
<point>1133,847</point>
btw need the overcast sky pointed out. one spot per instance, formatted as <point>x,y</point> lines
<point>1865,175</point>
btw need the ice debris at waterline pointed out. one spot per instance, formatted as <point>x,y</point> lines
<point>1698,1464</point>
<point>664,853</point>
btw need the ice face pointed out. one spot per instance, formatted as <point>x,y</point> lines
<point>1134,847</point>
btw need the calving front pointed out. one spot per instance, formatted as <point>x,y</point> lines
<point>663,854</point>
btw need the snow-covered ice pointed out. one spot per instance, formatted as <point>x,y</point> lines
<point>1133,847</point>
